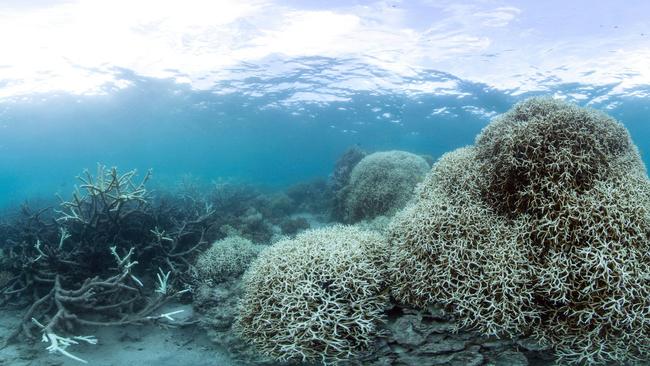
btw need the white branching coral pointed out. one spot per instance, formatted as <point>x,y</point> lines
<point>58,344</point>
<point>382,183</point>
<point>318,297</point>
<point>542,228</point>
<point>226,258</point>
<point>450,249</point>
<point>543,148</point>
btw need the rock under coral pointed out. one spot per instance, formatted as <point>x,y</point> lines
<point>427,337</point>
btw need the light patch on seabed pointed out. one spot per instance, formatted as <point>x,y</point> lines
<point>131,345</point>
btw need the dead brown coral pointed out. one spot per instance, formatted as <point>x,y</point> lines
<point>318,297</point>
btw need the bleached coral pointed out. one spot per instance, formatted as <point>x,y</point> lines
<point>542,148</point>
<point>382,183</point>
<point>451,247</point>
<point>318,297</point>
<point>542,228</point>
<point>226,258</point>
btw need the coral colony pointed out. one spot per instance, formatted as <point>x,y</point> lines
<point>79,268</point>
<point>538,233</point>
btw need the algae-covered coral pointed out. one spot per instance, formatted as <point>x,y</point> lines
<point>317,297</point>
<point>543,228</point>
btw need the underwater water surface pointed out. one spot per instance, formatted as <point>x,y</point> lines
<point>272,182</point>
<point>265,139</point>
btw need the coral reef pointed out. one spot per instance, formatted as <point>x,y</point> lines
<point>382,183</point>
<point>5,277</point>
<point>541,149</point>
<point>226,258</point>
<point>340,178</point>
<point>380,224</point>
<point>77,266</point>
<point>344,165</point>
<point>450,249</point>
<point>247,211</point>
<point>542,229</point>
<point>314,196</point>
<point>218,289</point>
<point>217,305</point>
<point>318,297</point>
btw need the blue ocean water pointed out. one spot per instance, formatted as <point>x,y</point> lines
<point>251,116</point>
<point>258,132</point>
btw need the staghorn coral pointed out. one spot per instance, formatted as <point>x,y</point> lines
<point>593,273</point>
<point>318,297</point>
<point>450,248</point>
<point>78,267</point>
<point>542,228</point>
<point>382,183</point>
<point>379,224</point>
<point>226,258</point>
<point>542,148</point>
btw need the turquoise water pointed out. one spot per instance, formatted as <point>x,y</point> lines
<point>261,133</point>
<point>259,120</point>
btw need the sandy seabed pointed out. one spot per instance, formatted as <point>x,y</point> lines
<point>132,345</point>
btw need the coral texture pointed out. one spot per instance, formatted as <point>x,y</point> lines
<point>541,149</point>
<point>318,297</point>
<point>542,228</point>
<point>382,183</point>
<point>226,258</point>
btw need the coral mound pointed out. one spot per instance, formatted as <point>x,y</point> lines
<point>450,248</point>
<point>226,258</point>
<point>542,228</point>
<point>543,148</point>
<point>382,183</point>
<point>318,297</point>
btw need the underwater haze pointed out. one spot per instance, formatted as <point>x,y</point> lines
<point>291,141</point>
<point>273,92</point>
